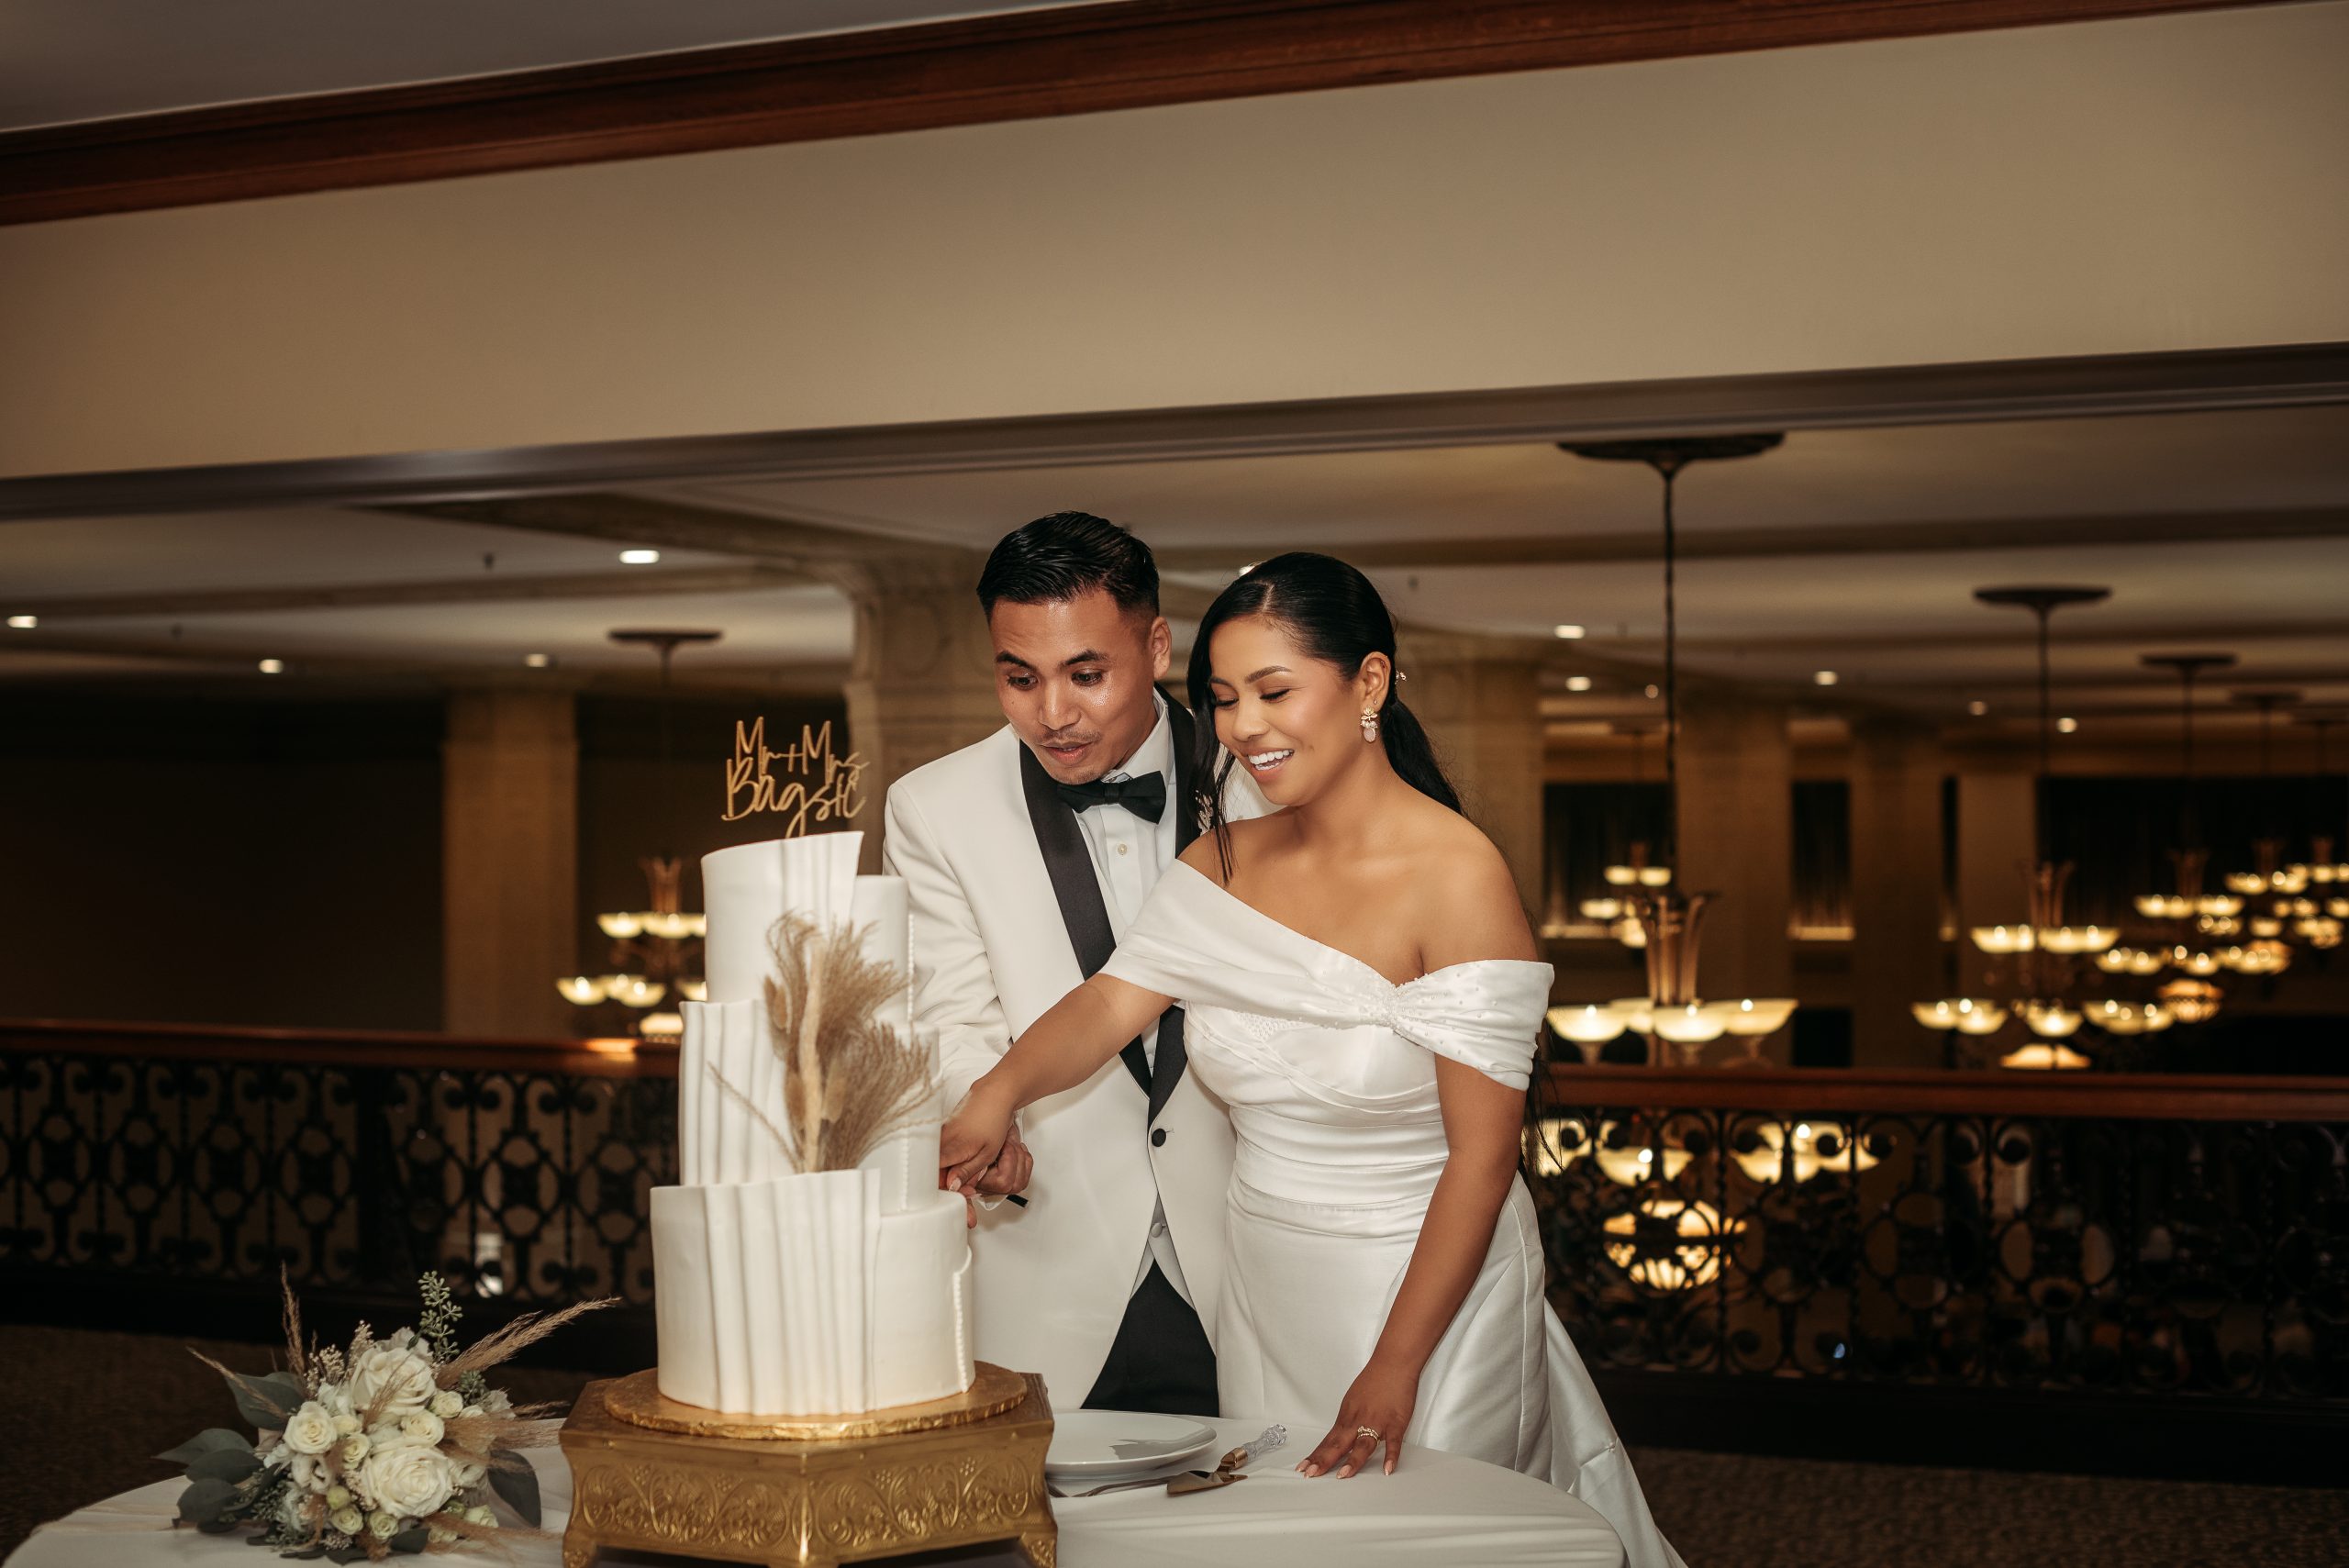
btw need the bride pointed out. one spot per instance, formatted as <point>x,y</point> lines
<point>1360,990</point>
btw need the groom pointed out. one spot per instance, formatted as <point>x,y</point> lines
<point>1028,855</point>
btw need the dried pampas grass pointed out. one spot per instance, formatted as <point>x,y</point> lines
<point>849,1080</point>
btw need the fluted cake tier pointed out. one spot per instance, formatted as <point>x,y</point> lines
<point>778,1293</point>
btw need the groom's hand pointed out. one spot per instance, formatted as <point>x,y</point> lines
<point>1008,1176</point>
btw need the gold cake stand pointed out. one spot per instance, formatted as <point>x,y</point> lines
<point>651,1475</point>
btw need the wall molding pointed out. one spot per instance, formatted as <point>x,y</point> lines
<point>1025,65</point>
<point>1911,394</point>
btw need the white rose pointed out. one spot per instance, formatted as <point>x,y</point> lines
<point>337,1498</point>
<point>345,1423</point>
<point>480,1514</point>
<point>311,1430</point>
<point>335,1398</point>
<point>470,1411</point>
<point>388,1381</point>
<point>448,1405</point>
<point>422,1427</point>
<point>347,1520</point>
<point>411,1480</point>
<point>381,1526</point>
<point>355,1449</point>
<point>496,1402</point>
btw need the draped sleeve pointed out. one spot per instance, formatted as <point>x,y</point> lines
<point>1486,1015</point>
<point>1186,944</point>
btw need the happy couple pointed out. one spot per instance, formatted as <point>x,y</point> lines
<point>1274,1005</point>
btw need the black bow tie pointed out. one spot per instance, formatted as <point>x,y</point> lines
<point>1145,797</point>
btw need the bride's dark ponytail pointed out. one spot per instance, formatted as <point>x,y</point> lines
<point>1334,610</point>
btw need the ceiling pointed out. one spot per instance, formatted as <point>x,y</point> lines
<point>1854,550</point>
<point>65,60</point>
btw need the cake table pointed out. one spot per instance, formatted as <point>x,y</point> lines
<point>1439,1507</point>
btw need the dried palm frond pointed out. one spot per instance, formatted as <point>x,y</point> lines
<point>849,1080</point>
<point>501,1342</point>
<point>297,1355</point>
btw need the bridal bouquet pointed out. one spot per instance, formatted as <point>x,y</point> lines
<point>395,1444</point>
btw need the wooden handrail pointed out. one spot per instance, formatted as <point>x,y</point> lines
<point>2131,1097</point>
<point>1799,1091</point>
<point>340,1048</point>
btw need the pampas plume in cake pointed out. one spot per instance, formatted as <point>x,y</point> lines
<point>849,1080</point>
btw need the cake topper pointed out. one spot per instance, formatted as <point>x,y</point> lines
<point>805,782</point>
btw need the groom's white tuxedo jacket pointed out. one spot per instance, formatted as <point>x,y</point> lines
<point>992,952</point>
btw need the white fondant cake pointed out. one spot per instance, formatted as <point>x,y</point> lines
<point>776,1293</point>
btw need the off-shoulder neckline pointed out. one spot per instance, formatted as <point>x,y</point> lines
<point>1372,970</point>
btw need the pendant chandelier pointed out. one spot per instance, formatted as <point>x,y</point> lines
<point>1668,918</point>
<point>2048,968</point>
<point>2295,903</point>
<point>656,951</point>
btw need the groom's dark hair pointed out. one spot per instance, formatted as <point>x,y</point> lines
<point>1065,555</point>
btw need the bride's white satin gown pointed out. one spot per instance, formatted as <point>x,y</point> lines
<point>1329,1070</point>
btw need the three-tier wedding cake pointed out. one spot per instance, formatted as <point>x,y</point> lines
<point>790,1292</point>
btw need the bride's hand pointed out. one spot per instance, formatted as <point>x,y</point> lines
<point>1379,1402</point>
<point>973,1137</point>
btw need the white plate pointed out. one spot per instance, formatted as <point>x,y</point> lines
<point>1106,1444</point>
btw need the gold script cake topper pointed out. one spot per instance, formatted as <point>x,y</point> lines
<point>805,782</point>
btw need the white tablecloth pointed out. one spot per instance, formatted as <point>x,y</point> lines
<point>1439,1507</point>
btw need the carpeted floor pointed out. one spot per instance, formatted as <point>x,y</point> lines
<point>86,1408</point>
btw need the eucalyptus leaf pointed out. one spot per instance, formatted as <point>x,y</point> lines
<point>515,1484</point>
<point>353,1553</point>
<point>204,1501</point>
<point>230,1465</point>
<point>307,1555</point>
<point>413,1539</point>
<point>212,1440</point>
<point>220,1525</point>
<point>266,1401</point>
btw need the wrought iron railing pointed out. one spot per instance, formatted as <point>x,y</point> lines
<point>2104,1235</point>
<point>2092,1235</point>
<point>353,1161</point>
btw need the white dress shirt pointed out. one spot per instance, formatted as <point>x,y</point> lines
<point>1129,856</point>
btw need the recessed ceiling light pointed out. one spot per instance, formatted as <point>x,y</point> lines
<point>2067,725</point>
<point>1824,677</point>
<point>1654,693</point>
<point>1568,631</point>
<point>537,660</point>
<point>273,666</point>
<point>639,556</point>
<point>1977,707</point>
<point>1577,683</point>
<point>23,623</point>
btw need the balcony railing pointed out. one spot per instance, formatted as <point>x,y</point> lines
<point>2135,1237</point>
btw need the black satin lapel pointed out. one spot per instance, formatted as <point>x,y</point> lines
<point>1074,887</point>
<point>1173,1057</point>
<point>1187,817</point>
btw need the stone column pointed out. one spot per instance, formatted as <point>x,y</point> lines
<point>1737,841</point>
<point>1896,955</point>
<point>922,682</point>
<point>1995,845</point>
<point>1480,701</point>
<point>509,877</point>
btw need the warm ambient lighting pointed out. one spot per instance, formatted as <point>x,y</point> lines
<point>1577,683</point>
<point>538,661</point>
<point>2042,1056</point>
<point>23,623</point>
<point>1651,693</point>
<point>2066,725</point>
<point>640,558</point>
<point>1824,677</point>
<point>1977,707</point>
<point>585,990</point>
<point>1567,631</point>
<point>1814,1146</point>
<point>1693,1235</point>
<point>273,666</point>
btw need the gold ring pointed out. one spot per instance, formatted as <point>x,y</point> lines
<point>1370,1432</point>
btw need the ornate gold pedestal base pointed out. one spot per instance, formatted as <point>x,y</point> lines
<point>808,1503</point>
